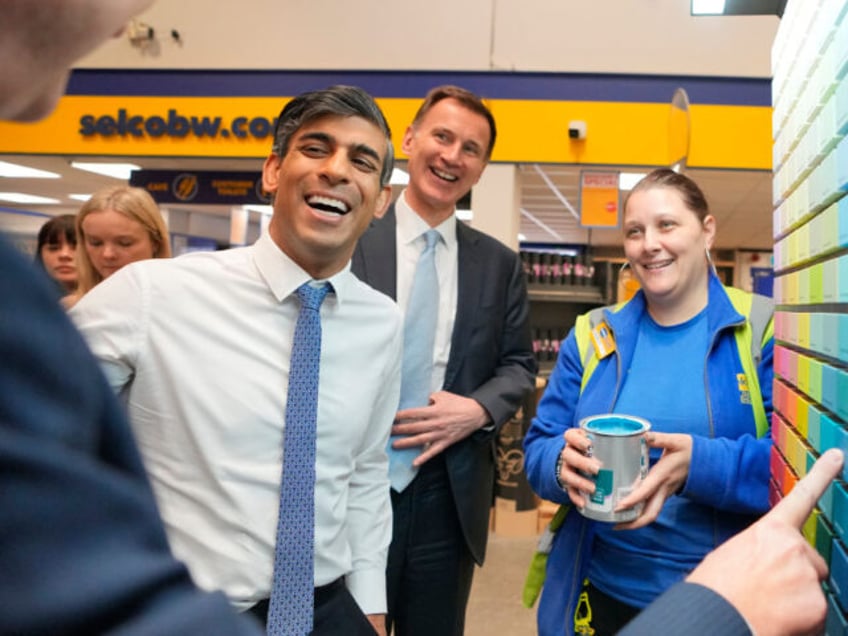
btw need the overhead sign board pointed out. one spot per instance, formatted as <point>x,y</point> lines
<point>199,186</point>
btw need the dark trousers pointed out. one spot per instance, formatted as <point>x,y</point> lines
<point>430,568</point>
<point>336,613</point>
<point>609,615</point>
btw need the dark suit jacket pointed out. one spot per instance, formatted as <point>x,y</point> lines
<point>82,548</point>
<point>491,358</point>
<point>690,609</point>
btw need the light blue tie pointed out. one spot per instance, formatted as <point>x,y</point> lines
<point>291,605</point>
<point>419,337</point>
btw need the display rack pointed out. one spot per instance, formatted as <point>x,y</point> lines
<point>810,94</point>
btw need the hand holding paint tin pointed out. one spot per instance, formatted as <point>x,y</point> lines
<point>618,443</point>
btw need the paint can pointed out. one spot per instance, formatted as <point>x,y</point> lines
<point>618,442</point>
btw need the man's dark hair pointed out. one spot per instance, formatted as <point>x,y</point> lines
<point>340,101</point>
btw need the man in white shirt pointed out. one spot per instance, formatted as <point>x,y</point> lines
<point>199,346</point>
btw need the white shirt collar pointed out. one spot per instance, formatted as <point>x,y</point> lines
<point>283,276</point>
<point>411,226</point>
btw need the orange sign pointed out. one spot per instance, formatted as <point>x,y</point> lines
<point>599,199</point>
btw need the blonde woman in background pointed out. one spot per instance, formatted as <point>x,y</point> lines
<point>118,225</point>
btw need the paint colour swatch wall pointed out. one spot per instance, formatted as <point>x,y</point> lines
<point>810,96</point>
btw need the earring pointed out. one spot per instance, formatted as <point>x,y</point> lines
<point>710,260</point>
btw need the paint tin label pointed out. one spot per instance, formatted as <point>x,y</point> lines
<point>618,442</point>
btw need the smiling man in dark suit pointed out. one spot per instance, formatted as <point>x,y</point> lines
<point>480,366</point>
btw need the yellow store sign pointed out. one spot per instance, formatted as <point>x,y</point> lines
<point>532,131</point>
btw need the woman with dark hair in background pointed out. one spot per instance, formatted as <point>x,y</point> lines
<point>56,251</point>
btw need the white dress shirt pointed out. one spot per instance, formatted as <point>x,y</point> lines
<point>199,347</point>
<point>410,243</point>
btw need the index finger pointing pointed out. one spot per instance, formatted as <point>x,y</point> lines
<point>795,507</point>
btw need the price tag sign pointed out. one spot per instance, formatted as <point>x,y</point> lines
<point>599,199</point>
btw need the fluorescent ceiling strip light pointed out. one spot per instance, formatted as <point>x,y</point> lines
<point>547,229</point>
<point>116,170</point>
<point>14,170</point>
<point>559,195</point>
<point>79,197</point>
<point>707,7</point>
<point>20,197</point>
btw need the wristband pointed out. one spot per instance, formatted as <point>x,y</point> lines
<point>558,469</point>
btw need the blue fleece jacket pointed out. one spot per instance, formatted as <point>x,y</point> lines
<point>729,470</point>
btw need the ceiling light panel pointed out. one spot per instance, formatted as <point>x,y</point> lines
<point>707,7</point>
<point>17,171</point>
<point>116,170</point>
<point>20,197</point>
<point>626,180</point>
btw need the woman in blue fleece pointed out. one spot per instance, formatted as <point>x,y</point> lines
<point>675,359</point>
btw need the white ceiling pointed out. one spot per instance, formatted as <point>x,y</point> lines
<point>740,199</point>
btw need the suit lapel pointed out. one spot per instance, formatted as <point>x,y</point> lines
<point>469,290</point>
<point>380,254</point>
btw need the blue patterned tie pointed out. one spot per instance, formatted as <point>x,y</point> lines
<point>419,337</point>
<point>292,604</point>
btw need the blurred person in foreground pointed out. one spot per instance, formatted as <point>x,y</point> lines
<point>56,251</point>
<point>118,225</point>
<point>765,581</point>
<point>82,547</point>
